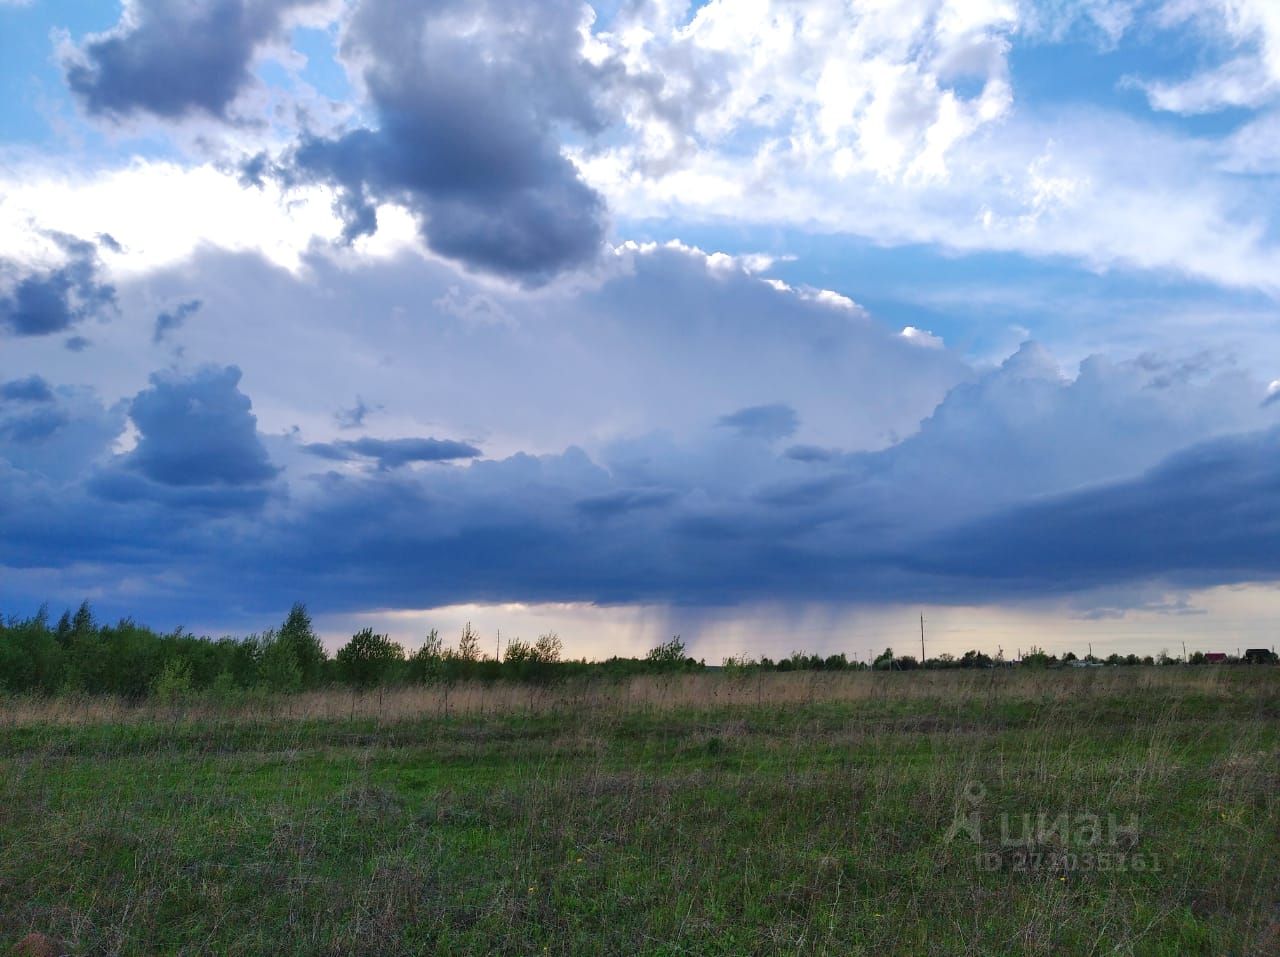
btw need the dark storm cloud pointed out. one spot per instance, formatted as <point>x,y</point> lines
<point>31,389</point>
<point>468,98</point>
<point>53,300</point>
<point>811,453</point>
<point>124,487</point>
<point>1208,515</point>
<point>173,319</point>
<point>775,421</point>
<point>174,59</point>
<point>34,425</point>
<point>27,410</point>
<point>392,453</point>
<point>65,496</point>
<point>802,493</point>
<point>528,528</point>
<point>624,501</point>
<point>198,430</point>
<point>53,434</point>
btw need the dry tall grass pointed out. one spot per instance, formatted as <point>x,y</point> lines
<point>645,694</point>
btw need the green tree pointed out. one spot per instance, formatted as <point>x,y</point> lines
<point>82,624</point>
<point>368,659</point>
<point>30,657</point>
<point>299,639</point>
<point>427,663</point>
<point>64,629</point>
<point>976,659</point>
<point>128,658</point>
<point>468,644</point>
<point>278,667</point>
<point>667,656</point>
<point>517,652</point>
<point>546,650</point>
<point>173,684</point>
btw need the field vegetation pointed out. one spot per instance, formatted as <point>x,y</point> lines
<point>961,811</point>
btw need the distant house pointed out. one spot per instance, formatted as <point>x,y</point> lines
<point>1215,657</point>
<point>1259,656</point>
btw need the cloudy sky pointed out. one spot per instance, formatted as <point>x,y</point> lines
<point>772,323</point>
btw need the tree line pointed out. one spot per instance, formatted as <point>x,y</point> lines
<point>79,655</point>
<point>1034,658</point>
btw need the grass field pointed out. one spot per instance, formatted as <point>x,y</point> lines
<point>864,813</point>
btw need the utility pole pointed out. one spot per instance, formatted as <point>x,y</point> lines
<point>1091,651</point>
<point>922,641</point>
<point>1184,652</point>
<point>497,649</point>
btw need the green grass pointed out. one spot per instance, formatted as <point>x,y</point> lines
<point>697,826</point>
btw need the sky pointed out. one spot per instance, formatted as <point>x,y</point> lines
<point>772,324</point>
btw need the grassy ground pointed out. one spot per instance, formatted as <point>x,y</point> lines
<point>705,814</point>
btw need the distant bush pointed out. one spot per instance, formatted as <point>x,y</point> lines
<point>670,656</point>
<point>1036,658</point>
<point>976,659</point>
<point>668,653</point>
